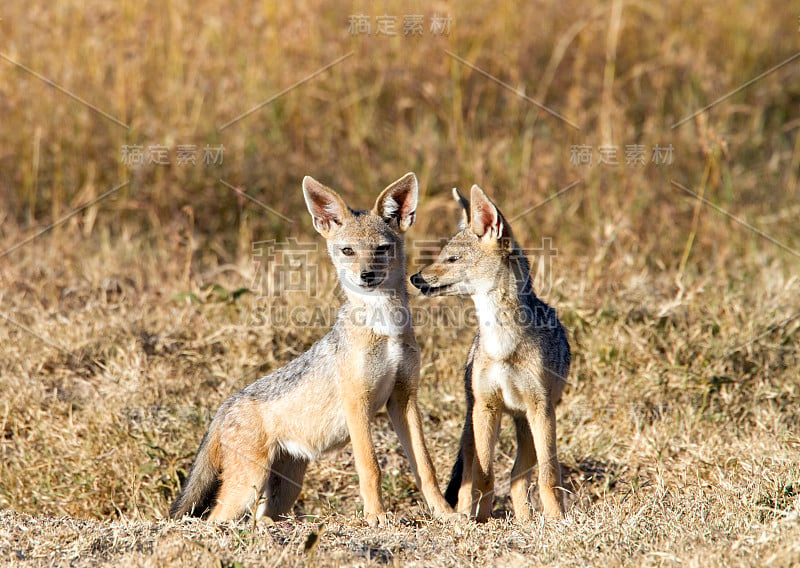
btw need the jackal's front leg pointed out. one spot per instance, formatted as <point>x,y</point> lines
<point>485,422</point>
<point>542,418</point>
<point>521,472</point>
<point>356,411</point>
<point>407,422</point>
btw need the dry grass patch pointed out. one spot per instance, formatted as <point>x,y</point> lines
<point>125,325</point>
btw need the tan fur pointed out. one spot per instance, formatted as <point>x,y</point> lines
<point>517,365</point>
<point>270,430</point>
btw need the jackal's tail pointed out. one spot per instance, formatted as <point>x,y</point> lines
<point>202,485</point>
<point>451,495</point>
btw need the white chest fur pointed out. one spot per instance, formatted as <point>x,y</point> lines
<point>505,379</point>
<point>385,316</point>
<point>499,338</point>
<point>389,353</point>
<point>387,368</point>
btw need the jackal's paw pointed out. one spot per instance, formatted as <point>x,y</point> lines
<point>441,510</point>
<point>376,519</point>
<point>523,516</point>
<point>448,515</point>
<point>554,513</point>
<point>553,509</point>
<point>454,518</point>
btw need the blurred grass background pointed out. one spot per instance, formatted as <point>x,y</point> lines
<point>176,72</point>
<point>121,334</point>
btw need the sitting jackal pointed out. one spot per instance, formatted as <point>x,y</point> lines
<point>262,437</point>
<point>518,362</point>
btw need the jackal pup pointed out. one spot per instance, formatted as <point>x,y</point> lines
<point>263,437</point>
<point>518,362</point>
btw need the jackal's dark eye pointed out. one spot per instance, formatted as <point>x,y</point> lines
<point>383,250</point>
<point>347,251</point>
<point>454,258</point>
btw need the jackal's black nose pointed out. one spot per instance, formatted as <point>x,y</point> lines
<point>369,277</point>
<point>417,280</point>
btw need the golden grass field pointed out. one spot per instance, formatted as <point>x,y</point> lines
<point>129,312</point>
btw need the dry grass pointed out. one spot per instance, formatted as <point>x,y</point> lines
<point>679,430</point>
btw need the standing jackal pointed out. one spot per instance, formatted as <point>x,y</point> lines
<point>518,362</point>
<point>262,437</point>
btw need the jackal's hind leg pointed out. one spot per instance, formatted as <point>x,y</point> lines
<point>283,486</point>
<point>244,472</point>
<point>467,456</point>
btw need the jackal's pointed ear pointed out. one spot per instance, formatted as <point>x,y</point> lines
<point>485,219</point>
<point>463,222</point>
<point>328,210</point>
<point>398,202</point>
